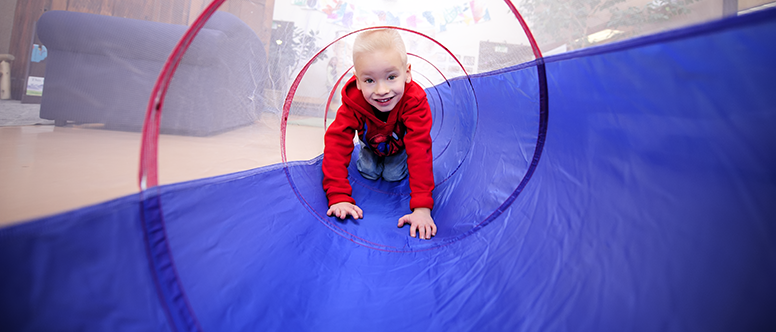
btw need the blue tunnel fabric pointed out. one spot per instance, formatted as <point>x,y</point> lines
<point>160,259</point>
<point>651,208</point>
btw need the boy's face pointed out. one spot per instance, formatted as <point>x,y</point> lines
<point>381,76</point>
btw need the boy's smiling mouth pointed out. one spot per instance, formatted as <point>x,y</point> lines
<point>384,100</point>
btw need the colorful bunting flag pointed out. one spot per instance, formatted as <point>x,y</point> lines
<point>351,16</point>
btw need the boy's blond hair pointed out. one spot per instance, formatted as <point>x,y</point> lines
<point>379,40</point>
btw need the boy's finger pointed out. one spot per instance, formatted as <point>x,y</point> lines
<point>413,229</point>
<point>433,229</point>
<point>428,232</point>
<point>422,232</point>
<point>360,212</point>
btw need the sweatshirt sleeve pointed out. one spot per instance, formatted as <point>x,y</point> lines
<point>417,142</point>
<point>338,148</point>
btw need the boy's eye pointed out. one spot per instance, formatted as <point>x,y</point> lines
<point>392,77</point>
<point>368,80</point>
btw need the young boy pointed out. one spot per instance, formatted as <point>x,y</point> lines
<point>390,112</point>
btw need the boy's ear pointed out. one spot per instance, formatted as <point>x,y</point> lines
<point>409,74</point>
<point>358,82</point>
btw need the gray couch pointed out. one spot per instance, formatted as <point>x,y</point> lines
<point>101,69</point>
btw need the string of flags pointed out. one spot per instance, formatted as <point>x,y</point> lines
<point>355,16</point>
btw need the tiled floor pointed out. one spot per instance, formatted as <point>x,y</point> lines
<point>46,169</point>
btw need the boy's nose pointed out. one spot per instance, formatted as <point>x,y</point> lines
<point>382,88</point>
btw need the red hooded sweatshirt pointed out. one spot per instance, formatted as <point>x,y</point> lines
<point>408,127</point>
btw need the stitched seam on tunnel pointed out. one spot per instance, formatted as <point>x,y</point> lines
<point>165,272</point>
<point>540,140</point>
<point>148,175</point>
<point>152,266</point>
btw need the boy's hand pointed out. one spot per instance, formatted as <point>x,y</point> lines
<point>343,209</point>
<point>421,222</point>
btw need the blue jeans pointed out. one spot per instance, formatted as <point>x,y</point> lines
<point>391,168</point>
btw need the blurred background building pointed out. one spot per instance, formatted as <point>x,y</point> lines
<point>291,29</point>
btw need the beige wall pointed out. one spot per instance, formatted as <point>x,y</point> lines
<point>746,4</point>
<point>7,9</point>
